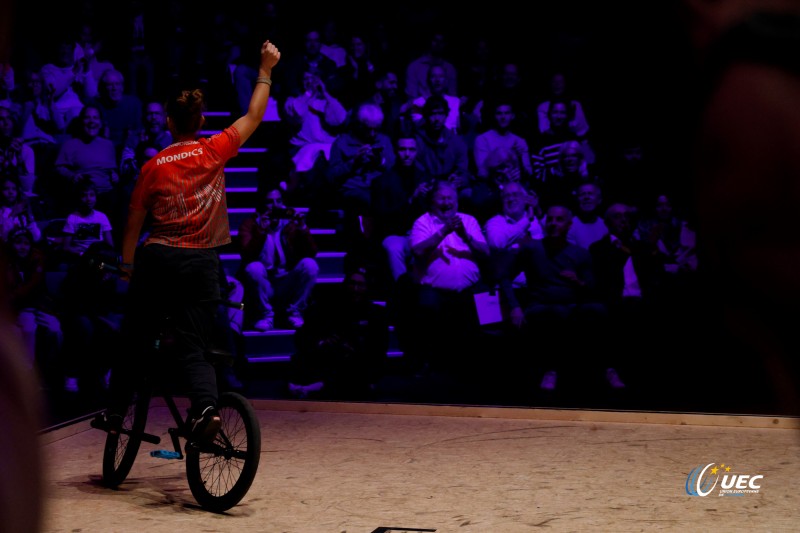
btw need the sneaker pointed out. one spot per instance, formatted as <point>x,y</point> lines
<point>549,380</point>
<point>295,319</point>
<point>613,379</point>
<point>71,384</point>
<point>204,428</point>
<point>265,324</point>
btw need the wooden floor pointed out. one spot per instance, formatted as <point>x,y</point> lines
<point>358,468</point>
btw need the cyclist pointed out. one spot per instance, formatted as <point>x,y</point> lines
<point>175,269</point>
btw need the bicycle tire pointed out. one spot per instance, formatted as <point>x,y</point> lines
<point>120,450</point>
<point>221,473</point>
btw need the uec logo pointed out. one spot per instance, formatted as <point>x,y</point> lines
<point>702,480</point>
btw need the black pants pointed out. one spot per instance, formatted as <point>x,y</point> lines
<point>183,285</point>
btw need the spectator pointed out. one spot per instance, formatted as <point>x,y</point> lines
<point>86,225</point>
<point>559,181</point>
<point>311,59</point>
<point>330,45</point>
<point>587,226</point>
<point>557,310</point>
<point>385,94</point>
<point>357,73</point>
<point>139,147</point>
<point>520,219</point>
<point>314,116</point>
<point>509,86</point>
<point>31,305</point>
<point>443,154</point>
<point>558,90</point>
<point>417,69</point>
<point>277,269</point>
<point>358,156</point>
<point>91,307</point>
<point>88,156</point>
<point>501,134</point>
<point>154,133</point>
<point>8,93</point>
<point>629,274</point>
<point>449,250</point>
<point>16,210</point>
<point>87,46</point>
<point>341,348</point>
<point>16,158</point>
<point>59,78</point>
<point>42,131</point>
<point>437,86</point>
<point>545,146</point>
<point>121,111</point>
<point>397,198</point>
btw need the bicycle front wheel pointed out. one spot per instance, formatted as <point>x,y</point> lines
<point>120,450</point>
<point>220,473</point>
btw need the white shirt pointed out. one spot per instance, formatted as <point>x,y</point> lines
<point>631,288</point>
<point>448,269</point>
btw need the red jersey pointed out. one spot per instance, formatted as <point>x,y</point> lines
<point>183,189</point>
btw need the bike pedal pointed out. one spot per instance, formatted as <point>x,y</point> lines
<point>166,454</point>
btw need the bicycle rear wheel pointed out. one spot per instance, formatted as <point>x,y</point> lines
<point>220,473</point>
<point>120,450</point>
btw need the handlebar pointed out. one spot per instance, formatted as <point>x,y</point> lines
<point>107,267</point>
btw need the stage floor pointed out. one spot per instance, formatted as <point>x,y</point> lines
<point>358,468</point>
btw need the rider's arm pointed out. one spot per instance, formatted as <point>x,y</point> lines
<point>248,123</point>
<point>130,238</point>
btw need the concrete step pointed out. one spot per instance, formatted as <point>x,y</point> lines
<point>278,345</point>
<point>331,264</point>
<point>241,196</point>
<point>241,177</point>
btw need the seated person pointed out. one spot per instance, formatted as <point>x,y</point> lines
<point>314,117</point>
<point>277,266</point>
<point>31,306</point>
<point>398,197</point>
<point>519,219</point>
<point>557,311</point>
<point>449,249</point>
<point>358,156</point>
<point>341,347</point>
<point>86,225</point>
<point>91,306</point>
<point>15,209</point>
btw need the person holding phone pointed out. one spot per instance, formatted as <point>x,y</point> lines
<point>278,269</point>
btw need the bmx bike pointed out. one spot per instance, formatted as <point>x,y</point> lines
<point>220,472</point>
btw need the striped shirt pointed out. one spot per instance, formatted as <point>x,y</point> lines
<point>183,189</point>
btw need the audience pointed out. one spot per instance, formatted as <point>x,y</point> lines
<point>76,119</point>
